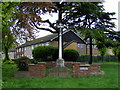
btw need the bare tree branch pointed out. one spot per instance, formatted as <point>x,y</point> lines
<point>47,29</point>
<point>51,25</point>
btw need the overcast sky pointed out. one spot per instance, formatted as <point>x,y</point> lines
<point>109,6</point>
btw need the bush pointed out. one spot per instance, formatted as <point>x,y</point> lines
<point>110,58</point>
<point>8,61</point>
<point>50,53</point>
<point>22,63</point>
<point>45,53</point>
<point>83,58</point>
<point>70,55</point>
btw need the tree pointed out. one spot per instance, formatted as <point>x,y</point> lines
<point>88,15</point>
<point>7,36</point>
<point>7,45</point>
<point>102,48</point>
<point>29,21</point>
<point>19,19</point>
<point>115,50</point>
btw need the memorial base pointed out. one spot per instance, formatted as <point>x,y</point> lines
<point>60,62</point>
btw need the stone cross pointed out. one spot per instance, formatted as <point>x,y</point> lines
<point>60,60</point>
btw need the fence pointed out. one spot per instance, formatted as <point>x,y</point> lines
<point>86,58</point>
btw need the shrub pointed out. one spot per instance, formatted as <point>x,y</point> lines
<point>45,53</point>
<point>22,63</point>
<point>70,55</point>
<point>8,61</point>
<point>83,58</point>
<point>50,53</point>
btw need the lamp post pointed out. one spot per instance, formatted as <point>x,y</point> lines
<point>60,60</point>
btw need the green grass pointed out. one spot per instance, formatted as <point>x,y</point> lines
<point>109,80</point>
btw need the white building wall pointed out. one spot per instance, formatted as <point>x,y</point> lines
<point>11,55</point>
<point>28,52</point>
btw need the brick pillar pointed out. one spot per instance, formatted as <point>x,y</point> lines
<point>94,68</point>
<point>42,69</point>
<point>76,69</point>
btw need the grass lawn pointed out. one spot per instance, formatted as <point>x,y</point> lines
<point>109,80</point>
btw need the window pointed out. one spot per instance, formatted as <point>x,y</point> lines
<point>88,46</point>
<point>43,44</point>
<point>36,45</point>
<point>19,49</point>
<point>47,44</point>
<point>80,46</point>
<point>32,46</point>
<point>29,47</point>
<point>94,46</point>
<point>24,48</point>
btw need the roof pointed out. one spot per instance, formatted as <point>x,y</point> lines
<point>39,40</point>
<point>67,37</point>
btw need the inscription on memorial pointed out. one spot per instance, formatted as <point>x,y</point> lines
<point>83,68</point>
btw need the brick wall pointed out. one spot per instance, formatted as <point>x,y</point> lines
<point>91,70</point>
<point>37,70</point>
<point>54,43</point>
<point>72,46</point>
<point>50,64</point>
<point>95,51</point>
<point>82,50</point>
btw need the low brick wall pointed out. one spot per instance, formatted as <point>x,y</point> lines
<point>37,70</point>
<point>50,64</point>
<point>80,70</point>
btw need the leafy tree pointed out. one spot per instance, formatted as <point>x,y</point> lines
<point>118,54</point>
<point>102,48</point>
<point>29,21</point>
<point>88,15</point>
<point>114,50</point>
<point>7,35</point>
<point>19,19</point>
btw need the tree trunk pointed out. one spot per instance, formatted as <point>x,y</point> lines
<point>6,55</point>
<point>102,58</point>
<point>118,56</point>
<point>90,62</point>
<point>86,49</point>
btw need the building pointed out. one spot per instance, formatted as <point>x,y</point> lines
<point>70,41</point>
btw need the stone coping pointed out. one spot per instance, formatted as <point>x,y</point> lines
<point>85,65</point>
<point>31,64</point>
<point>42,62</point>
<point>95,64</point>
<point>37,63</point>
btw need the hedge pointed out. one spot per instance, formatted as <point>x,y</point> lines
<point>22,63</point>
<point>70,55</point>
<point>45,53</point>
<point>50,53</point>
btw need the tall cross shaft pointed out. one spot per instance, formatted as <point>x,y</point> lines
<point>60,60</point>
<point>60,41</point>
